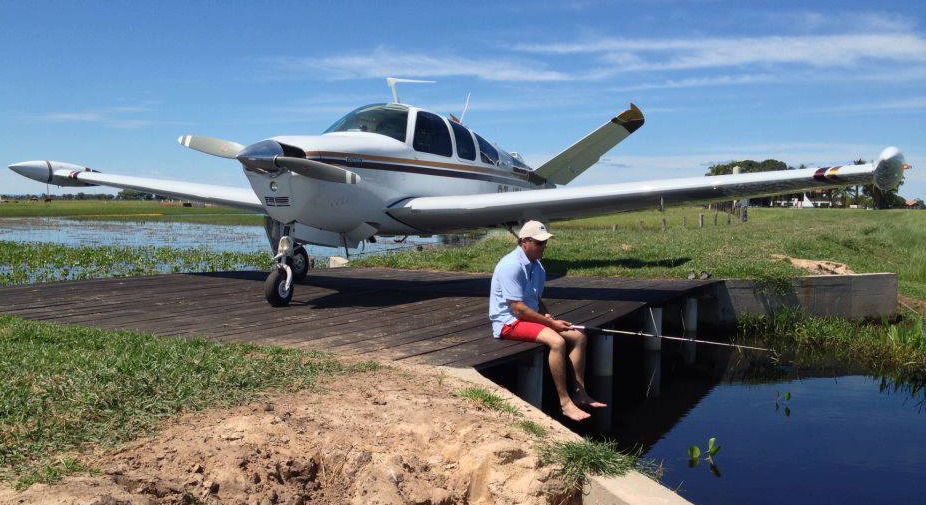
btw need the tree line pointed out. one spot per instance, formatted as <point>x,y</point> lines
<point>867,195</point>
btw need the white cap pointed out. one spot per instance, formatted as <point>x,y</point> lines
<point>535,230</point>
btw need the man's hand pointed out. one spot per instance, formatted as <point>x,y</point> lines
<point>559,326</point>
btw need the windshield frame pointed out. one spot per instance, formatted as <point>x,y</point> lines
<point>387,119</point>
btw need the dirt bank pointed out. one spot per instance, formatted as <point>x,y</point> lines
<point>389,436</point>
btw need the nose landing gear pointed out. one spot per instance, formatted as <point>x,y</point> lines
<point>292,264</point>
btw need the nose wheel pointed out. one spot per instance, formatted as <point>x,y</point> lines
<point>292,264</point>
<point>277,288</point>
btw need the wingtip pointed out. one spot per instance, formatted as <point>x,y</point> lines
<point>631,119</point>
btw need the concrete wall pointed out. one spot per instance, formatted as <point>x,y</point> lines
<point>854,296</point>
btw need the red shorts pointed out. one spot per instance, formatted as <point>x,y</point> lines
<point>522,330</point>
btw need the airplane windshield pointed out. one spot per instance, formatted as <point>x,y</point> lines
<point>390,120</point>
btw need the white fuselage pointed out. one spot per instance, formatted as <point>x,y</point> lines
<point>391,171</point>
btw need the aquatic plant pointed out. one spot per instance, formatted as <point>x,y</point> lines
<point>694,456</point>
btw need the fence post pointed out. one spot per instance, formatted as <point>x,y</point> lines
<point>665,225</point>
<point>641,225</point>
<point>700,220</point>
<point>715,217</point>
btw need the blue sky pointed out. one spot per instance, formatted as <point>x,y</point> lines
<point>112,85</point>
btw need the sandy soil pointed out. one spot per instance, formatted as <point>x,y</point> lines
<point>817,267</point>
<point>393,436</point>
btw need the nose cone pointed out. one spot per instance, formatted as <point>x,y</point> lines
<point>35,170</point>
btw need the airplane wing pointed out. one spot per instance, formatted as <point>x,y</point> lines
<point>66,174</point>
<point>448,213</point>
<point>577,158</point>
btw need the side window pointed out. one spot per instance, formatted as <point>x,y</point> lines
<point>431,135</point>
<point>487,153</point>
<point>465,148</point>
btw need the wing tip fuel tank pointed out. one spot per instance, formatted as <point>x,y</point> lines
<point>889,169</point>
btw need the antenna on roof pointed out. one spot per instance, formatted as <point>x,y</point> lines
<point>465,106</point>
<point>392,81</point>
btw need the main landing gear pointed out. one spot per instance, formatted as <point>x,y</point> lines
<point>292,264</point>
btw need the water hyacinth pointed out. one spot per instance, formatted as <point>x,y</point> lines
<point>27,263</point>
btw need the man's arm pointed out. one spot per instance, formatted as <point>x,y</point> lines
<point>525,313</point>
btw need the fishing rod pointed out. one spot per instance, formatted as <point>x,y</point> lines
<point>680,339</point>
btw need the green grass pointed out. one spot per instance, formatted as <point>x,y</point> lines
<point>897,349</point>
<point>24,262</point>
<point>576,461</point>
<point>533,428</point>
<point>866,240</point>
<point>488,400</point>
<point>67,388</point>
<point>129,210</point>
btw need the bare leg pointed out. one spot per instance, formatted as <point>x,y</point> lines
<point>578,344</point>
<point>557,362</point>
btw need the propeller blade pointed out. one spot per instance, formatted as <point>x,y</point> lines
<point>317,170</point>
<point>209,145</point>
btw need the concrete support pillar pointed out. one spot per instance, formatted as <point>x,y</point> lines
<point>601,352</point>
<point>691,330</point>
<point>530,378</point>
<point>599,378</point>
<point>652,324</point>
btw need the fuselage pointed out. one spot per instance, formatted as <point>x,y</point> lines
<point>400,152</point>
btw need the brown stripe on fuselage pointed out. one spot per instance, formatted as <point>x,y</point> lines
<point>412,169</point>
<point>410,162</point>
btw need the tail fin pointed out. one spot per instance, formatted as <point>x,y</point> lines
<point>567,165</point>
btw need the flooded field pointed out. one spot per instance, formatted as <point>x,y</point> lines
<point>219,238</point>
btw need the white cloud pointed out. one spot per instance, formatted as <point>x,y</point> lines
<point>116,117</point>
<point>383,62</point>
<point>844,50</point>
<point>720,80</point>
<point>912,104</point>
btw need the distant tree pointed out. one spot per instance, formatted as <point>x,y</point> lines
<point>747,167</point>
<point>750,166</point>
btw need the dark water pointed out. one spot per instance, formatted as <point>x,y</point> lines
<point>844,437</point>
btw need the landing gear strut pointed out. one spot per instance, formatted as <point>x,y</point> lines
<point>278,288</point>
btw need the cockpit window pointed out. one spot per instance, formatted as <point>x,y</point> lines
<point>465,148</point>
<point>390,120</point>
<point>431,135</point>
<point>487,153</point>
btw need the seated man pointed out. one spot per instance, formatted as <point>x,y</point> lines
<point>518,313</point>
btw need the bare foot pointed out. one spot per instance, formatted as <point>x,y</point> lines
<point>582,399</point>
<point>575,413</point>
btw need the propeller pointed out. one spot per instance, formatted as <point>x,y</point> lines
<point>209,145</point>
<point>270,156</point>
<point>317,170</point>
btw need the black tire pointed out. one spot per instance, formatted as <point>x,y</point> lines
<point>274,288</point>
<point>299,263</point>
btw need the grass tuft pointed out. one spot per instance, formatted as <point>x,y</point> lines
<point>488,399</point>
<point>533,428</point>
<point>576,461</point>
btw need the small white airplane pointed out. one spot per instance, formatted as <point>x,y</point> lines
<point>392,169</point>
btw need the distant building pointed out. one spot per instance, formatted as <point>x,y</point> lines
<point>914,204</point>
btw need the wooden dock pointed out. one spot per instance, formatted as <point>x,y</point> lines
<point>438,318</point>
